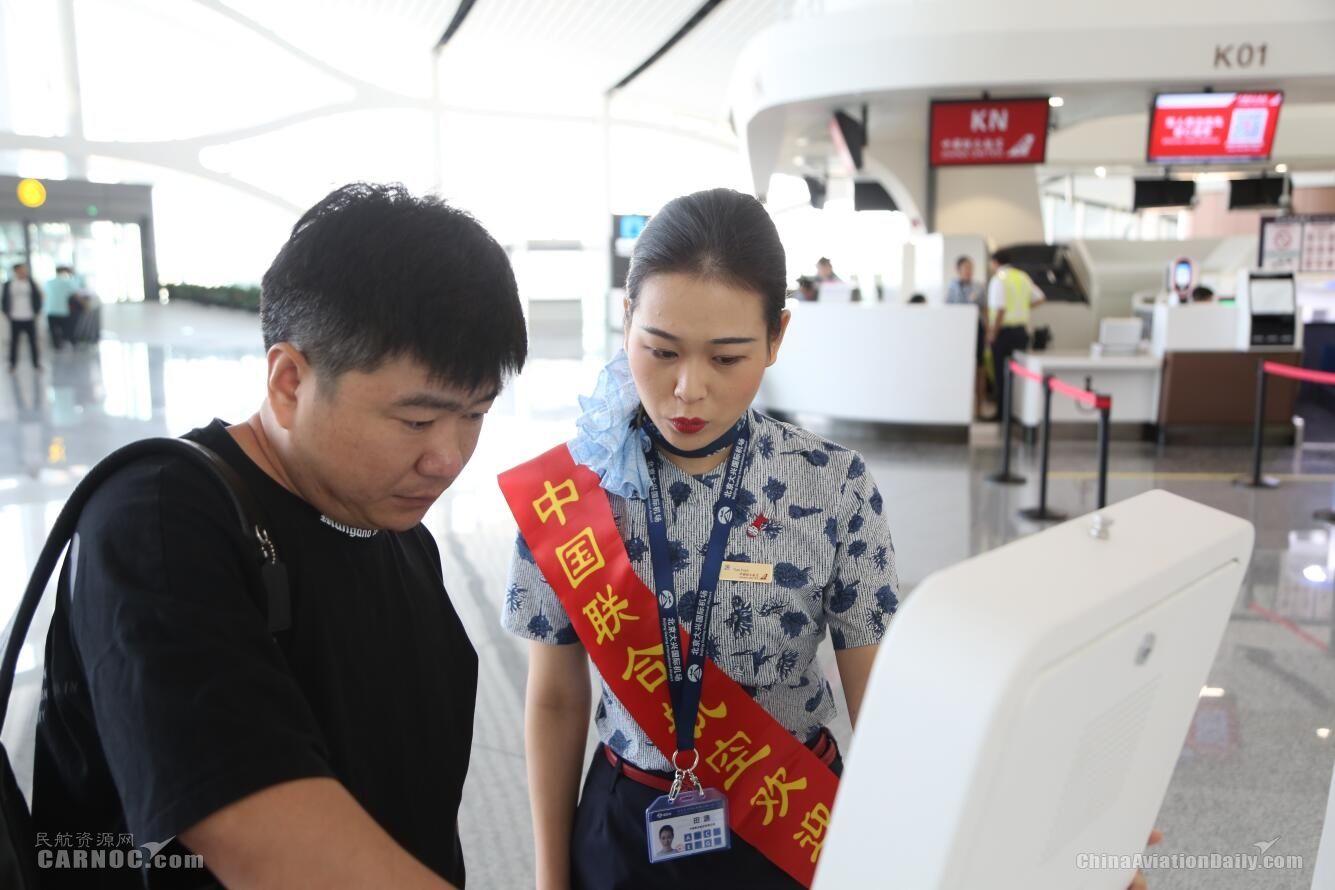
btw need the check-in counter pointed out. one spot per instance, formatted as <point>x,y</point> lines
<point>1182,389</point>
<point>1131,380</point>
<point>897,364</point>
<point>1218,389</point>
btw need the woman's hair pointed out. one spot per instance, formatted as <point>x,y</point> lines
<point>718,234</point>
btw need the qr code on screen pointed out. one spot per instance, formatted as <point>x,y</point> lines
<point>1247,127</point>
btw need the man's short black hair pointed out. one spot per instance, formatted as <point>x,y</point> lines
<point>964,258</point>
<point>371,274</point>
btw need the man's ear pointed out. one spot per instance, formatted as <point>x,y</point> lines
<point>291,378</point>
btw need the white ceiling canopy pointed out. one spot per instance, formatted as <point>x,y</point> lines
<point>691,79</point>
<point>1106,61</point>
<point>384,42</point>
<point>558,57</point>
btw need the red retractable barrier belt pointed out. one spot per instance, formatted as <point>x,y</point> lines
<point>1304,374</point>
<point>1017,368</point>
<point>1083,396</point>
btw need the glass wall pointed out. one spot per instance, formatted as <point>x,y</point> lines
<point>1100,207</point>
<point>105,256</point>
<point>12,248</point>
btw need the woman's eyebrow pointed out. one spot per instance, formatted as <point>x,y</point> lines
<point>659,332</point>
<point>718,341</point>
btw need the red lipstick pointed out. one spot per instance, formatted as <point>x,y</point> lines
<point>687,425</point>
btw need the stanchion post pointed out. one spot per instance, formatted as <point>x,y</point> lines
<point>1004,475</point>
<point>1047,447</point>
<point>1258,436</point>
<point>1103,456</point>
<point>1041,513</point>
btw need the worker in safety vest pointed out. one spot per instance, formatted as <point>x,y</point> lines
<point>1011,297</point>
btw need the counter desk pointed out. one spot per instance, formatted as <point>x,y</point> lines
<point>1131,380</point>
<point>1206,388</point>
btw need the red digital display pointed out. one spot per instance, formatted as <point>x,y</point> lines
<point>989,131</point>
<point>1202,128</point>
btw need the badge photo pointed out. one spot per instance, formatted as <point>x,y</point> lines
<point>696,822</point>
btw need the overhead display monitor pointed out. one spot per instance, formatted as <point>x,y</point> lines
<point>1213,128</point>
<point>849,138</point>
<point>972,132</point>
<point>1267,191</point>
<point>625,229</point>
<point>872,196</point>
<point>1163,193</point>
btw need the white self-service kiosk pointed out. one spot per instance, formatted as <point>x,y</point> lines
<point>1268,310</point>
<point>1027,706</point>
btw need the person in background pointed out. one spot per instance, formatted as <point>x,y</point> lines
<point>84,324</point>
<point>806,289</point>
<point>21,302</point>
<point>918,300</point>
<point>825,270</point>
<point>963,289</point>
<point>1011,297</point>
<point>58,293</point>
<point>1202,294</point>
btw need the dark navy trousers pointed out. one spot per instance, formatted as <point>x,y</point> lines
<point>608,849</point>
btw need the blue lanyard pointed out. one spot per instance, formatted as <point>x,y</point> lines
<point>685,684</point>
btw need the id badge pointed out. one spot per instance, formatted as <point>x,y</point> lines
<point>696,822</point>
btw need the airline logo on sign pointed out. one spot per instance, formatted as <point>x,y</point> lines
<point>989,132</point>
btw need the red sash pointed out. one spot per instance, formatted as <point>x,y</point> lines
<point>779,793</point>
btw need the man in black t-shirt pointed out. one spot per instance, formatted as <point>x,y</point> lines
<point>333,755</point>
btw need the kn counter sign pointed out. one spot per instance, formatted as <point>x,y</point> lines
<point>989,131</point>
<point>1203,128</point>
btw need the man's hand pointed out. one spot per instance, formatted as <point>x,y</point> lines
<point>1139,883</point>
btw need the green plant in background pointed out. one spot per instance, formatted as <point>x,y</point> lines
<point>232,297</point>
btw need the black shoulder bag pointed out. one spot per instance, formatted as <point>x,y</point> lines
<point>18,862</point>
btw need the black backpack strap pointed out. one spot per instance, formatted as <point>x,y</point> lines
<point>272,574</point>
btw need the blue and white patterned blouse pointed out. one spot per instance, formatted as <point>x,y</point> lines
<point>810,509</point>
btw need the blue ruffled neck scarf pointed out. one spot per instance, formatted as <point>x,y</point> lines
<point>608,440</point>
<point>612,439</point>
